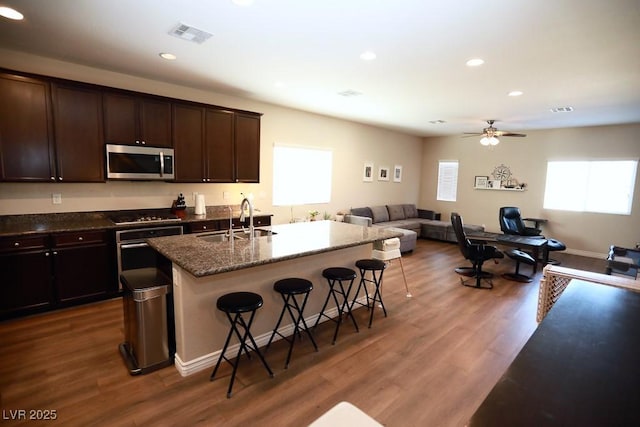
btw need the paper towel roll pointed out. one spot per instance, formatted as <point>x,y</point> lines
<point>200,205</point>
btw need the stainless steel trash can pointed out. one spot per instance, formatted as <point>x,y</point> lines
<point>146,346</point>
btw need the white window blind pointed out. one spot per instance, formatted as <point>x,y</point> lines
<point>301,175</point>
<point>447,180</point>
<point>602,186</point>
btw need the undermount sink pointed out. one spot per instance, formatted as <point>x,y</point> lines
<point>223,236</point>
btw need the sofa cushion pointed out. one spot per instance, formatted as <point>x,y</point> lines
<point>410,211</point>
<point>380,214</point>
<point>362,212</point>
<point>396,212</point>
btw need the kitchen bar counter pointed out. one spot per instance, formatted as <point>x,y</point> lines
<point>202,258</point>
<point>204,271</point>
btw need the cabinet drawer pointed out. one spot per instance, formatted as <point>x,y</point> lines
<point>199,227</point>
<point>79,238</point>
<point>8,244</point>
<point>261,221</point>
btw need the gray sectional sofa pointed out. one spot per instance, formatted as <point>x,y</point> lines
<point>409,220</point>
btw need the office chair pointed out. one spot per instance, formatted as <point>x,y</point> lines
<point>511,223</point>
<point>476,251</point>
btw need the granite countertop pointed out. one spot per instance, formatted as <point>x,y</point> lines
<point>24,225</point>
<point>202,258</point>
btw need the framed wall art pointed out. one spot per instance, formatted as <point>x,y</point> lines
<point>367,172</point>
<point>397,173</point>
<point>481,182</point>
<point>383,173</point>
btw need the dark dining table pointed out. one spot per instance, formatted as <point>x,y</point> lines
<point>581,367</point>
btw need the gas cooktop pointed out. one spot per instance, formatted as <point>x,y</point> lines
<point>138,217</point>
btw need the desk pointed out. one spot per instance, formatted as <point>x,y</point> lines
<point>534,244</point>
<point>580,367</point>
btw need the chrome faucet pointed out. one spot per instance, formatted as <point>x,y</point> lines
<point>230,223</point>
<point>247,202</point>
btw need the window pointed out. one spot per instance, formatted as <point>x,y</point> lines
<point>447,180</point>
<point>301,175</point>
<point>603,186</point>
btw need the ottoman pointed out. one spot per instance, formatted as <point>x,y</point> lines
<point>407,240</point>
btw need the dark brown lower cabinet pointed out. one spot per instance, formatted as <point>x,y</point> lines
<point>82,266</point>
<point>46,272</point>
<point>25,284</point>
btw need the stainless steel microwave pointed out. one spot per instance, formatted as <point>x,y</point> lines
<point>139,163</point>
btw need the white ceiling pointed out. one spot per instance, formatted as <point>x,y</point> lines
<point>579,53</point>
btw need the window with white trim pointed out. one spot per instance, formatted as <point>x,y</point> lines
<point>301,175</point>
<point>602,186</point>
<point>447,180</point>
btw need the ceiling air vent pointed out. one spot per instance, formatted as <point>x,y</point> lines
<point>188,33</point>
<point>562,110</point>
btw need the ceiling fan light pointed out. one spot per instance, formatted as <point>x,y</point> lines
<point>484,141</point>
<point>494,141</point>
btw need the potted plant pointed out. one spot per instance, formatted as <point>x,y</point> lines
<point>313,215</point>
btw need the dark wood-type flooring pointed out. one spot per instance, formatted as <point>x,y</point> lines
<point>431,362</point>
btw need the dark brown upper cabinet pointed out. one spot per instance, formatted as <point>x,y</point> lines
<point>247,147</point>
<point>137,120</point>
<point>26,137</point>
<point>77,117</point>
<point>215,145</point>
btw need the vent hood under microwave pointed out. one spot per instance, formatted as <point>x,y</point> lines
<point>140,163</point>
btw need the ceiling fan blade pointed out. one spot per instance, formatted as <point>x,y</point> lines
<point>473,133</point>
<point>511,134</point>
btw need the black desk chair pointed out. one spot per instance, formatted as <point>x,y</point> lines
<point>511,222</point>
<point>476,251</point>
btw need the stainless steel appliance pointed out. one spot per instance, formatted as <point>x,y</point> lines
<point>133,252</point>
<point>139,163</point>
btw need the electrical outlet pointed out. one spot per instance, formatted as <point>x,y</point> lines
<point>56,198</point>
<point>195,196</point>
<point>225,195</point>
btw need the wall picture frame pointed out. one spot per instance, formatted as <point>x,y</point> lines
<point>367,172</point>
<point>494,183</point>
<point>383,173</point>
<point>481,182</point>
<point>397,173</point>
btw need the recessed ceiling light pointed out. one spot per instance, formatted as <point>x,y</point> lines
<point>349,93</point>
<point>9,13</point>
<point>475,62</point>
<point>562,110</point>
<point>168,56</point>
<point>515,93</point>
<point>437,122</point>
<point>368,56</point>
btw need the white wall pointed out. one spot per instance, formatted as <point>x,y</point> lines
<point>352,145</point>
<point>527,159</point>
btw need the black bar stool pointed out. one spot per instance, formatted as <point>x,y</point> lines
<point>376,267</point>
<point>237,303</point>
<point>288,289</point>
<point>335,277</point>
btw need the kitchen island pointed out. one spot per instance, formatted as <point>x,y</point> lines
<point>204,269</point>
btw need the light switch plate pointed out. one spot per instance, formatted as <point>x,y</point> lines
<point>56,198</point>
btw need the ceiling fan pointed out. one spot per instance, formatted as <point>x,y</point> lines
<point>490,134</point>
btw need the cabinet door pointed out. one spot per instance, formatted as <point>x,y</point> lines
<point>155,122</point>
<point>247,147</point>
<point>77,114</point>
<point>219,145</point>
<point>188,139</point>
<point>25,281</point>
<point>120,119</point>
<point>26,150</point>
<point>82,265</point>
